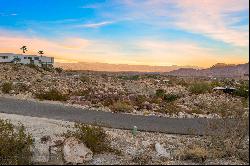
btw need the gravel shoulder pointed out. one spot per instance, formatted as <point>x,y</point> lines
<point>132,148</point>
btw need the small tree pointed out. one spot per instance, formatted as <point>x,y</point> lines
<point>24,49</point>
<point>41,53</point>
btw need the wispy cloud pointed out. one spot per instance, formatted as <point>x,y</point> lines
<point>210,18</point>
<point>93,6</point>
<point>8,14</point>
<point>96,25</point>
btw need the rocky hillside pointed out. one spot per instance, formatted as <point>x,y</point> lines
<point>218,70</point>
<point>119,67</point>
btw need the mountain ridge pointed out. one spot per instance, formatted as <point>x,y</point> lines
<point>217,70</point>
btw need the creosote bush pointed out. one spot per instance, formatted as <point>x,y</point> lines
<point>170,97</point>
<point>121,106</point>
<point>194,153</point>
<point>85,79</point>
<point>160,93</point>
<point>200,88</point>
<point>15,144</point>
<point>58,70</point>
<point>6,87</point>
<point>53,95</point>
<point>242,91</point>
<point>94,137</point>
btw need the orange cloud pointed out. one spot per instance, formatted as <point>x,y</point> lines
<point>152,52</point>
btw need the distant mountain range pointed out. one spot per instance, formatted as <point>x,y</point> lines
<point>119,67</point>
<point>217,70</point>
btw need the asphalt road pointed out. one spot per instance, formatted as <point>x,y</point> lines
<point>196,126</point>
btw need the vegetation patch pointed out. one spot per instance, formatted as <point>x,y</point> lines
<point>160,93</point>
<point>131,77</point>
<point>195,154</point>
<point>121,106</point>
<point>200,88</point>
<point>242,91</point>
<point>85,79</point>
<point>7,87</point>
<point>15,144</point>
<point>94,137</point>
<point>170,97</point>
<point>53,95</point>
<point>58,70</point>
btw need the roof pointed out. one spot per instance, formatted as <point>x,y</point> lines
<point>223,88</point>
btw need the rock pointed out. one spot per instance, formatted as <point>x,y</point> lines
<point>45,139</point>
<point>76,152</point>
<point>57,141</point>
<point>41,153</point>
<point>161,151</point>
<point>145,144</point>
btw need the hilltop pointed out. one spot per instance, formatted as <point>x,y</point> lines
<point>217,70</point>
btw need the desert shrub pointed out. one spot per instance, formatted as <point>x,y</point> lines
<point>23,87</point>
<point>182,82</point>
<point>82,92</point>
<point>53,94</point>
<point>194,153</point>
<point>152,76</point>
<point>58,70</point>
<point>15,144</point>
<point>132,77</point>
<point>6,87</point>
<point>216,83</point>
<point>200,88</point>
<point>121,106</point>
<point>34,67</point>
<point>138,101</point>
<point>94,137</point>
<point>170,97</point>
<point>242,91</point>
<point>47,68</point>
<point>160,93</point>
<point>196,111</point>
<point>169,108</point>
<point>85,79</point>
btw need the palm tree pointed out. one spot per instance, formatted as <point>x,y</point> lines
<point>41,53</point>
<point>24,48</point>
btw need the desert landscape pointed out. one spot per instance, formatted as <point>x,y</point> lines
<point>145,94</point>
<point>124,82</point>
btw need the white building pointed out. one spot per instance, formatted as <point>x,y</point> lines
<point>41,61</point>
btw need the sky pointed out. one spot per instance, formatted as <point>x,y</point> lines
<point>140,32</point>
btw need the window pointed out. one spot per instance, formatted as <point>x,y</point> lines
<point>4,57</point>
<point>30,58</point>
<point>36,58</point>
<point>25,57</point>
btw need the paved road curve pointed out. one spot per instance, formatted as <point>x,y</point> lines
<point>107,119</point>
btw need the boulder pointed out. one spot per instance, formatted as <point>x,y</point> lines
<point>76,152</point>
<point>161,151</point>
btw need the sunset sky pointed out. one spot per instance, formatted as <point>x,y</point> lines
<point>147,32</point>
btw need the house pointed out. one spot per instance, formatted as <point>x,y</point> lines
<point>41,61</point>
